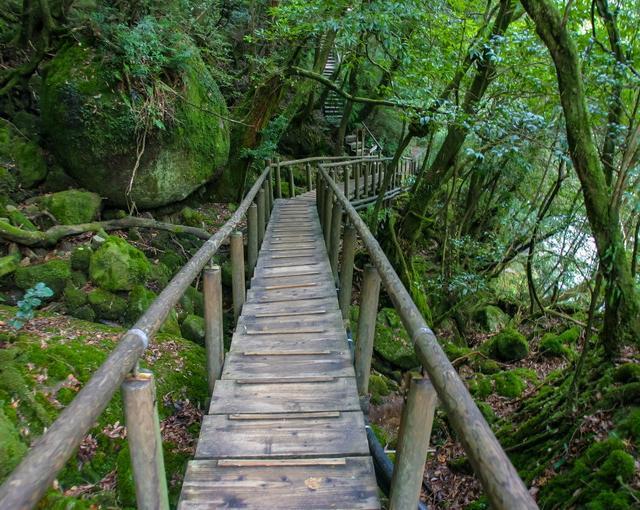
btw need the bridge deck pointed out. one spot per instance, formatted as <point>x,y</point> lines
<point>285,429</point>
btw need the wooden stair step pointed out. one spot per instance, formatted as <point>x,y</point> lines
<point>346,483</point>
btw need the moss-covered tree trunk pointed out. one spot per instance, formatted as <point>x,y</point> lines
<point>621,298</point>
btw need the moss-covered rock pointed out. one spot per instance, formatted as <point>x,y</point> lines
<point>192,301</point>
<point>192,218</point>
<point>392,341</point>
<point>107,305</point>
<point>18,219</point>
<point>22,157</point>
<point>140,300</point>
<point>55,273</point>
<point>378,388</point>
<point>509,384</point>
<point>487,412</point>
<point>509,345</point>
<point>627,373</point>
<point>73,206</point>
<point>491,318</point>
<point>93,130</point>
<point>552,346</point>
<point>481,387</point>
<point>117,265</point>
<point>193,328</point>
<point>9,264</point>
<point>159,276</point>
<point>74,297</point>
<point>84,313</point>
<point>81,258</point>
<point>630,425</point>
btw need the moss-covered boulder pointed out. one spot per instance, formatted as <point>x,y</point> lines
<point>140,299</point>
<point>21,157</point>
<point>509,384</point>
<point>552,346</point>
<point>92,128</point>
<point>379,387</point>
<point>392,341</point>
<point>193,328</point>
<point>81,258</point>
<point>54,274</point>
<point>107,305</point>
<point>192,302</point>
<point>508,345</point>
<point>491,318</point>
<point>117,265</point>
<point>73,206</point>
<point>18,219</point>
<point>74,297</point>
<point>9,264</point>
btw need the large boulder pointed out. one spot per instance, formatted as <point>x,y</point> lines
<point>508,345</point>
<point>90,120</point>
<point>73,206</point>
<point>117,265</point>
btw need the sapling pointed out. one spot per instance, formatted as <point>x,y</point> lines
<point>31,300</point>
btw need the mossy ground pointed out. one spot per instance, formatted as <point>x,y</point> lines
<point>41,370</point>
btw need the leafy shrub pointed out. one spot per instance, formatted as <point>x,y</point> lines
<point>31,300</point>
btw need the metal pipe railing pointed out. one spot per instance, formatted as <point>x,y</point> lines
<point>500,480</point>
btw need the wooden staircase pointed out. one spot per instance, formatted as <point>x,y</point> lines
<point>333,107</point>
<point>284,428</point>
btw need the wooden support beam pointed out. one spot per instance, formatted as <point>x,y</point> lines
<point>261,217</point>
<point>413,442</point>
<point>292,184</point>
<point>237,273</point>
<point>366,327</point>
<point>309,179</point>
<point>334,250</point>
<point>252,238</point>
<point>278,180</point>
<point>326,223</point>
<point>346,269</point>
<point>145,443</point>
<point>213,339</point>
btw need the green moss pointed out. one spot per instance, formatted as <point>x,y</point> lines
<point>9,264</point>
<point>380,434</point>
<point>630,424</point>
<point>486,366</point>
<point>509,384</point>
<point>619,464</point>
<point>454,351</point>
<point>85,313</point>
<point>491,318</point>
<point>193,218</point>
<point>487,412</point>
<point>378,388</point>
<point>627,372</point>
<point>140,300</point>
<point>19,219</point>
<point>73,206</point>
<point>551,345</point>
<point>11,447</point>
<point>54,273</point>
<point>509,345</point>
<point>570,336</point>
<point>172,260</point>
<point>107,305</point>
<point>74,298</point>
<point>92,126</point>
<point>192,301</point>
<point>124,473</point>
<point>481,387</point>
<point>609,500</point>
<point>193,328</point>
<point>117,265</point>
<point>160,275</point>
<point>81,258</point>
<point>392,341</point>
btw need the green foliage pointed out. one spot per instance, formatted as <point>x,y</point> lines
<point>54,274</point>
<point>81,258</point>
<point>31,300</point>
<point>117,265</point>
<point>11,447</point>
<point>509,384</point>
<point>509,345</point>
<point>627,373</point>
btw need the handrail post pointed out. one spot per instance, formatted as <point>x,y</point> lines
<point>261,217</point>
<point>345,178</point>
<point>327,210</point>
<point>292,185</point>
<point>270,193</point>
<point>309,181</point>
<point>278,181</point>
<point>365,178</point>
<point>356,181</point>
<point>237,272</point>
<point>346,269</point>
<point>252,238</point>
<point>334,250</point>
<point>267,205</point>
<point>212,290</point>
<point>320,196</point>
<point>145,442</point>
<point>413,443</point>
<point>366,327</point>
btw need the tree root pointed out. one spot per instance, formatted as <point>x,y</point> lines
<point>53,235</point>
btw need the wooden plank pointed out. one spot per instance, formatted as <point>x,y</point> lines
<point>297,344</point>
<point>325,484</point>
<point>336,436</point>
<point>237,366</point>
<point>284,416</point>
<point>334,394</point>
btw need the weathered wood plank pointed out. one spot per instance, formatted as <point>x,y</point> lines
<point>237,366</point>
<point>324,485</point>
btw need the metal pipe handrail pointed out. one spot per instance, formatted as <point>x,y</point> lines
<point>501,481</point>
<point>33,476</point>
<point>360,159</point>
<point>315,159</point>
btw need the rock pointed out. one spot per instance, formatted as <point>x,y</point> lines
<point>508,345</point>
<point>84,313</point>
<point>54,274</point>
<point>193,328</point>
<point>491,318</point>
<point>117,265</point>
<point>58,180</point>
<point>192,301</point>
<point>160,275</point>
<point>18,219</point>
<point>81,258</point>
<point>509,384</point>
<point>9,264</point>
<point>107,305</point>
<point>378,388</point>
<point>93,130</point>
<point>140,300</point>
<point>192,218</point>
<point>73,206</point>
<point>74,298</point>
<point>552,346</point>
<point>392,342</point>
<point>25,157</point>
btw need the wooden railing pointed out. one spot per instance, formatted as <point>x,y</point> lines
<point>500,480</point>
<point>30,479</point>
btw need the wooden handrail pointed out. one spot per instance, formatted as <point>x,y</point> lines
<point>500,480</point>
<point>30,479</point>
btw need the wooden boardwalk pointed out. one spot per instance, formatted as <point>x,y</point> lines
<point>285,429</point>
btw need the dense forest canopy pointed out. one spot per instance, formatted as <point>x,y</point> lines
<point>523,217</point>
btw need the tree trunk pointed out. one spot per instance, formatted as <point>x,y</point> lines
<point>621,299</point>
